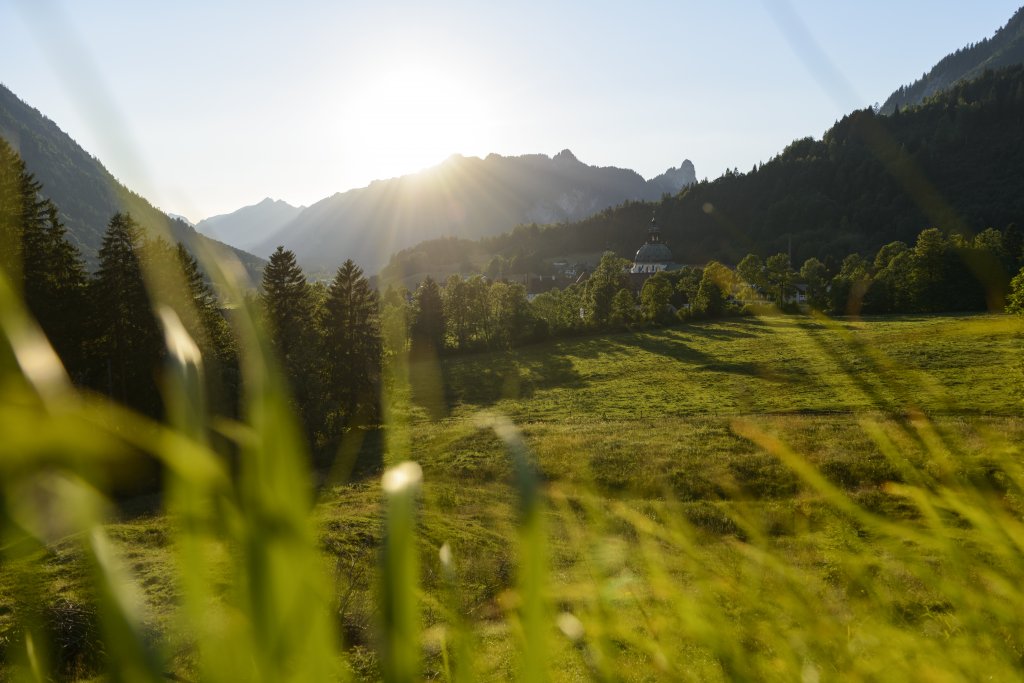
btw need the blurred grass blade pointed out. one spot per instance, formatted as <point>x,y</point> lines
<point>400,627</point>
<point>33,354</point>
<point>531,580</point>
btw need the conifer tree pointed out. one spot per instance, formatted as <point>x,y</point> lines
<point>55,287</point>
<point>352,346</point>
<point>21,209</point>
<point>289,307</point>
<point>225,350</point>
<point>127,346</point>
<point>38,259</point>
<point>286,298</point>
<point>190,295</point>
<point>200,309</point>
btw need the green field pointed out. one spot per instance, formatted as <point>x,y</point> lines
<point>772,498</point>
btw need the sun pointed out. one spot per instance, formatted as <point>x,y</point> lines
<point>413,116</point>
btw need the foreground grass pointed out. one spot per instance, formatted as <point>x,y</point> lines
<point>771,498</point>
<point>683,427</point>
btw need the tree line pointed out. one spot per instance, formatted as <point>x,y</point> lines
<point>104,328</point>
<point>937,272</point>
<point>329,335</point>
<point>102,325</point>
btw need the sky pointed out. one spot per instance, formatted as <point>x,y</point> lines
<point>204,107</point>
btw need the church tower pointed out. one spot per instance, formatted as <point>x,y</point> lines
<point>654,255</point>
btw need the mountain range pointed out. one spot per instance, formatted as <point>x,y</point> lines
<point>84,191</point>
<point>1003,49</point>
<point>463,196</point>
<point>249,226</point>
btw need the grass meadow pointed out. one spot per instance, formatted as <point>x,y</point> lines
<point>767,498</point>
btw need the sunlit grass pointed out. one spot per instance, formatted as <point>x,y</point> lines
<point>776,498</point>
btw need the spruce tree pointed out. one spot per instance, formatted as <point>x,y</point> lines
<point>286,299</point>
<point>21,209</point>
<point>217,343</point>
<point>55,287</point>
<point>289,307</point>
<point>209,320</point>
<point>352,346</point>
<point>127,346</point>
<point>39,261</point>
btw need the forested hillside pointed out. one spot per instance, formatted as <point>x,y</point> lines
<point>954,163</point>
<point>85,192</point>
<point>1005,48</point>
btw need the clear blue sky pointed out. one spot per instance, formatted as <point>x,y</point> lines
<point>205,106</point>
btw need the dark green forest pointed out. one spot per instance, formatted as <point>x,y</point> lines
<point>1004,48</point>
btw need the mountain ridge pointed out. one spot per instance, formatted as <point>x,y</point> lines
<point>463,196</point>
<point>1004,48</point>
<point>248,226</point>
<point>86,194</point>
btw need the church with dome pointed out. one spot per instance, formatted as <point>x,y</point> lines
<point>654,256</point>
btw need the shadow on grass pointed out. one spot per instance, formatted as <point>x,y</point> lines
<point>483,379</point>
<point>357,455</point>
<point>676,348</point>
<point>509,375</point>
<point>745,328</point>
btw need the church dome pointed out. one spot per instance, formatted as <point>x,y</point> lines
<point>653,252</point>
<point>655,255</point>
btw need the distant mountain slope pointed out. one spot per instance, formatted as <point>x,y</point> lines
<point>955,163</point>
<point>674,179</point>
<point>86,194</point>
<point>247,227</point>
<point>179,217</point>
<point>1005,48</point>
<point>465,197</point>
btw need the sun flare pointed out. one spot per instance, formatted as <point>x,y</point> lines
<point>414,116</point>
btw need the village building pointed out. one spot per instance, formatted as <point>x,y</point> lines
<point>654,255</point>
